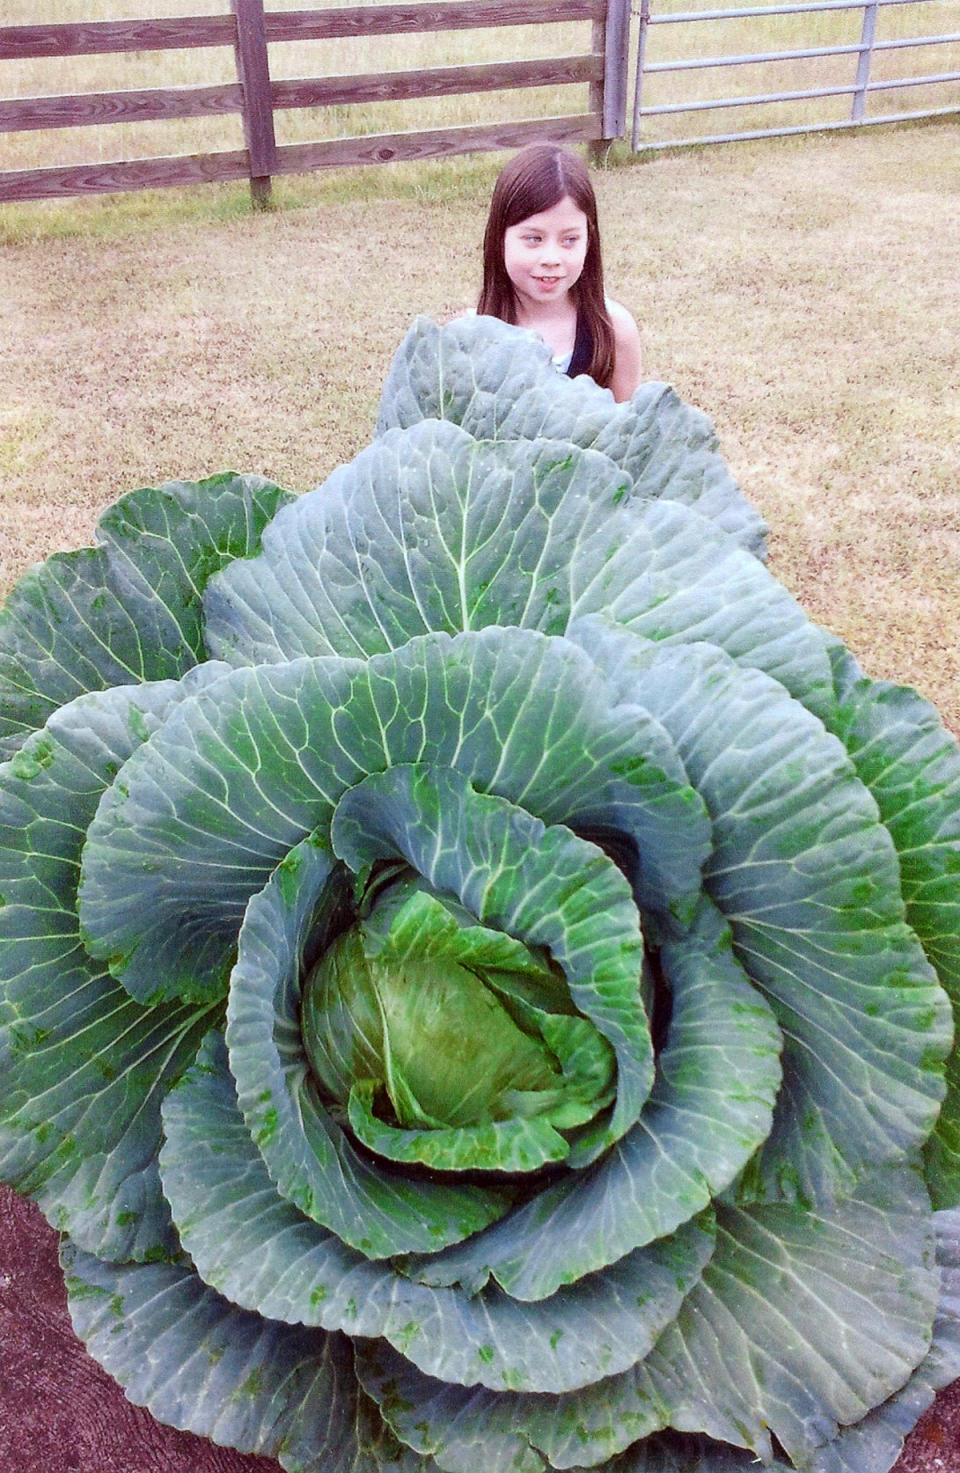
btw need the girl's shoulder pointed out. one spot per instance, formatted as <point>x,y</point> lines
<point>623,321</point>
<point>627,352</point>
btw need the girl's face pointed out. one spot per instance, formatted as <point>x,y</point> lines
<point>544,254</point>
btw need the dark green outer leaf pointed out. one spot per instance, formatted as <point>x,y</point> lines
<point>164,544</point>
<point>428,529</point>
<point>911,764</point>
<point>499,383</point>
<point>466,1427</point>
<point>260,1251</point>
<point>803,1319</point>
<point>127,610</point>
<point>83,1066</point>
<point>217,798</point>
<point>525,1434</point>
<point>868,1446</point>
<point>808,879</point>
<point>65,630</point>
<point>677,581</point>
<point>425,530</point>
<point>200,1364</point>
<point>942,1365</point>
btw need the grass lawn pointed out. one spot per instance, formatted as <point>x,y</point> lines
<point>803,292</point>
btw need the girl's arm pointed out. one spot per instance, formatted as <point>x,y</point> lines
<point>628,357</point>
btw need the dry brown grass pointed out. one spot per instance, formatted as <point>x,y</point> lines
<point>804,293</point>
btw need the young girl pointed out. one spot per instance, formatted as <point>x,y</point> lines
<point>542,268</point>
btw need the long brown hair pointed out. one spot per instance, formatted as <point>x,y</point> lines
<point>536,179</point>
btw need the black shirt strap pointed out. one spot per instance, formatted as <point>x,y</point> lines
<point>582,349</point>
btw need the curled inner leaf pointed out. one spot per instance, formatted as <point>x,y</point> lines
<point>414,1022</point>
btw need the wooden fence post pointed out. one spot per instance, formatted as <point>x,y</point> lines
<point>253,73</point>
<point>611,36</point>
<point>616,66</point>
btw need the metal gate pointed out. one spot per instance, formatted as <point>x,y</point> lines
<point>859,88</point>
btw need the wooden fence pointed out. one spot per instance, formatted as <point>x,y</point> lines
<point>250,30</point>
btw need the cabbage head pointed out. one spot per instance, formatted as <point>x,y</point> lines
<point>476,962</point>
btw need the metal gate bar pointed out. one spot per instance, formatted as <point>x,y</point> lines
<point>755,57</point>
<point>848,91</point>
<point>748,11</point>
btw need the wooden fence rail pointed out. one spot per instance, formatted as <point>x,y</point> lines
<point>250,30</point>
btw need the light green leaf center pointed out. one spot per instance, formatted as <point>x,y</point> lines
<point>455,1024</point>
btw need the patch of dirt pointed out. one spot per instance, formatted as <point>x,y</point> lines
<point>934,1444</point>
<point>59,1412</point>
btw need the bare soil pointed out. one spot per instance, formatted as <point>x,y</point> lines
<point>59,1412</point>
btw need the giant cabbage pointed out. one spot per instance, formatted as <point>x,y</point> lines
<point>477,961</point>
